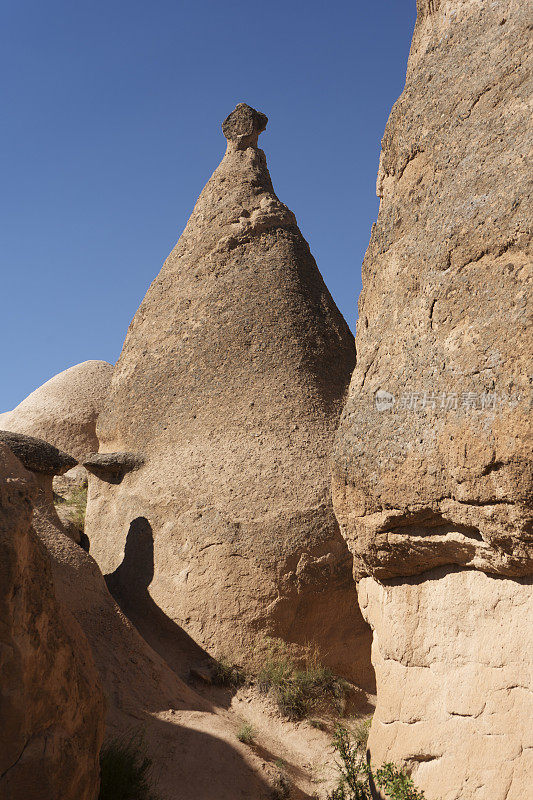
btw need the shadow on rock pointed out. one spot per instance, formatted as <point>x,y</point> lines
<point>203,763</point>
<point>129,586</point>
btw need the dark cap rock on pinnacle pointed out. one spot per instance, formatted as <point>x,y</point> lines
<point>243,126</point>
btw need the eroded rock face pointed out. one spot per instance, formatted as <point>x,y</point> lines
<point>432,464</point>
<point>63,411</point>
<point>144,696</point>
<point>36,454</point>
<point>229,385</point>
<point>51,702</point>
<point>453,652</point>
<point>440,471</point>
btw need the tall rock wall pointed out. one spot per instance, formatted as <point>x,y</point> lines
<point>51,702</point>
<point>453,657</point>
<point>229,386</point>
<point>432,467</point>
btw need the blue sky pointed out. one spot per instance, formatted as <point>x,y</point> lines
<point>111,127</point>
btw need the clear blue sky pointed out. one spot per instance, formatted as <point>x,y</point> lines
<point>111,127</point>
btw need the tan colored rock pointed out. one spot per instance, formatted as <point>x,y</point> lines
<point>443,319</point>
<point>432,463</point>
<point>63,411</point>
<point>51,703</point>
<point>193,746</point>
<point>453,652</point>
<point>229,385</point>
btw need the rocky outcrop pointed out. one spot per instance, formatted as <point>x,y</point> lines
<point>112,467</point>
<point>229,385</point>
<point>192,745</point>
<point>37,455</point>
<point>45,462</point>
<point>51,703</point>
<point>453,652</point>
<point>432,465</point>
<point>63,411</point>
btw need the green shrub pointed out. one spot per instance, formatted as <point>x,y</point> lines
<point>298,690</point>
<point>397,784</point>
<point>357,777</point>
<point>76,501</point>
<point>353,779</point>
<point>246,734</point>
<point>125,771</point>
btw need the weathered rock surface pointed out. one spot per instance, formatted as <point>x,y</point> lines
<point>63,411</point>
<point>230,384</point>
<point>443,474</point>
<point>36,454</point>
<point>432,463</point>
<point>51,703</point>
<point>453,652</point>
<point>112,467</point>
<point>193,746</point>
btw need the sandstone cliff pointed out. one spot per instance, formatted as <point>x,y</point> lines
<point>432,463</point>
<point>51,703</point>
<point>229,387</point>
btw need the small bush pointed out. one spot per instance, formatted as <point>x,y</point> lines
<point>76,501</point>
<point>397,784</point>
<point>226,674</point>
<point>125,771</point>
<point>246,734</point>
<point>281,786</point>
<point>353,780</point>
<point>298,690</point>
<point>356,775</point>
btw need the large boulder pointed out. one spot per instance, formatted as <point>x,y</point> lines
<point>63,411</point>
<point>51,702</point>
<point>432,464</point>
<point>229,387</point>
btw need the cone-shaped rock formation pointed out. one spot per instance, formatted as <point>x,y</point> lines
<point>229,386</point>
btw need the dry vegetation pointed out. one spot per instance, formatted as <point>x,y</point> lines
<point>74,500</point>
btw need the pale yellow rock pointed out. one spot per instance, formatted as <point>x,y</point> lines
<point>453,653</point>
